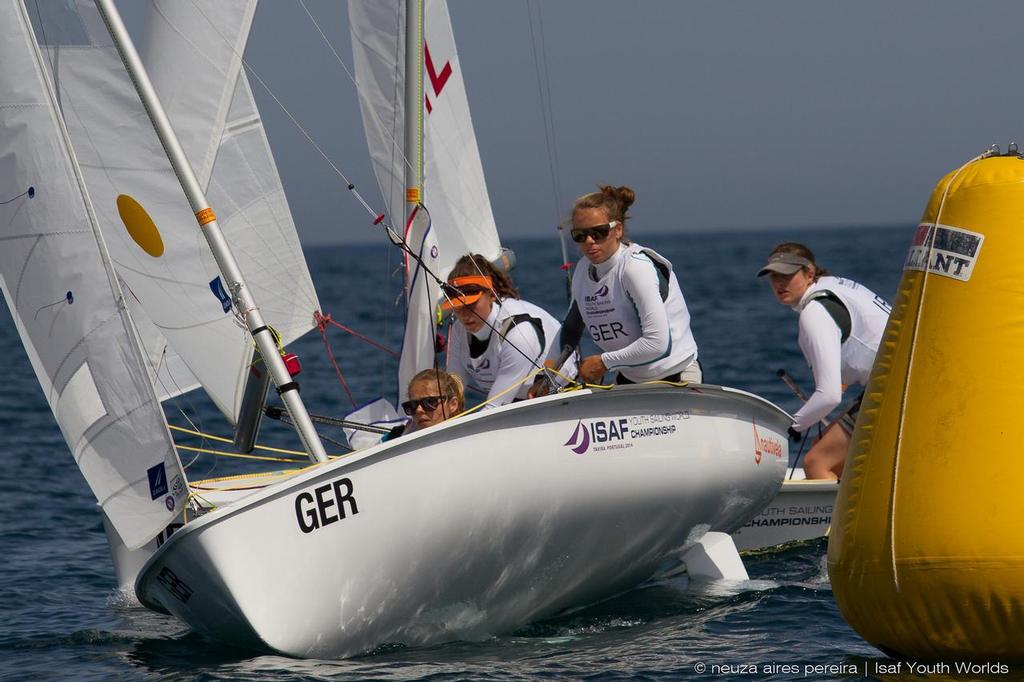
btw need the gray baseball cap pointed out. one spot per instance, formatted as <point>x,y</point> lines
<point>784,263</point>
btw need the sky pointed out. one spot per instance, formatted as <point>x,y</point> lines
<point>721,114</point>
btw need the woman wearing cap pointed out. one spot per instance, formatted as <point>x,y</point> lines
<point>497,339</point>
<point>627,298</point>
<point>840,328</point>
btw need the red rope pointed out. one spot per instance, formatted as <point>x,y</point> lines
<point>330,354</point>
<point>323,320</point>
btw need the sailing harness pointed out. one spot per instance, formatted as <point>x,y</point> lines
<point>836,310</point>
<point>660,266</point>
<point>478,347</point>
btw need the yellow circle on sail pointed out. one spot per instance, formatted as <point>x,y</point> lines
<point>140,226</point>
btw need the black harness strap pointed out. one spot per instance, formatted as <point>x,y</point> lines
<point>663,272</point>
<point>835,308</point>
<point>538,326</point>
<point>477,347</point>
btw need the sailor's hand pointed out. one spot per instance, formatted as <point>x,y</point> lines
<point>795,435</point>
<point>542,384</point>
<point>541,387</point>
<point>592,369</point>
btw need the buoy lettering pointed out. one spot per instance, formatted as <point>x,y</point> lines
<point>325,505</point>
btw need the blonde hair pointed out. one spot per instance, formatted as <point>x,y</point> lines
<point>448,385</point>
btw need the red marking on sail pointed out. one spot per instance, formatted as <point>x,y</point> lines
<point>437,80</point>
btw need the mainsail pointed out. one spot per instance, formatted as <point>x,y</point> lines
<point>160,256</point>
<point>193,55</point>
<point>63,293</point>
<point>454,190</point>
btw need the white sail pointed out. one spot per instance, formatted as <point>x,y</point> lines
<point>160,255</point>
<point>422,293</point>
<point>193,55</point>
<point>64,295</point>
<point>454,189</point>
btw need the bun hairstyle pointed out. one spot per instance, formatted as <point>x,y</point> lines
<point>614,201</point>
<point>802,251</point>
<point>448,385</point>
<point>475,264</point>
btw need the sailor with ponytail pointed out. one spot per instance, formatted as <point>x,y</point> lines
<point>627,298</point>
<point>497,339</point>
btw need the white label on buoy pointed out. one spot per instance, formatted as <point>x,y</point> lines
<point>944,250</point>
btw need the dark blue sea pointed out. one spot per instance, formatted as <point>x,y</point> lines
<point>62,618</point>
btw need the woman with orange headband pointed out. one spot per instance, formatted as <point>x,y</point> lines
<point>497,339</point>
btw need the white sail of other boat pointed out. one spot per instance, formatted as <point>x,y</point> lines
<point>458,217</point>
<point>65,298</point>
<point>159,254</point>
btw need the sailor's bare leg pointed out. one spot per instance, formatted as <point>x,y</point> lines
<point>827,456</point>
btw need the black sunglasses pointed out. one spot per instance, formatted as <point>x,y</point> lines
<point>429,404</point>
<point>598,232</point>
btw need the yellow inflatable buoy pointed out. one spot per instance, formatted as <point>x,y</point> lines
<point>926,554</point>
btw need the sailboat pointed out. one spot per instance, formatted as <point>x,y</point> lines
<point>475,526</point>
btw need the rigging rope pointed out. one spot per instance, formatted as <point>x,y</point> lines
<point>238,455</point>
<point>544,91</point>
<point>322,320</point>
<point>265,448</point>
<point>334,363</point>
<point>309,138</point>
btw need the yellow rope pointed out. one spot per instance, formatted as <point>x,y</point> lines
<point>238,477</point>
<point>206,484</point>
<point>234,454</point>
<point>516,385</point>
<point>572,386</point>
<point>265,448</point>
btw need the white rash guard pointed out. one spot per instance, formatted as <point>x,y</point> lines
<point>643,335</point>
<point>833,362</point>
<point>505,361</point>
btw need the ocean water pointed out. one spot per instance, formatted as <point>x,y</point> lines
<point>62,617</point>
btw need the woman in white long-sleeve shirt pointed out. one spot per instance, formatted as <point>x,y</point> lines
<point>627,298</point>
<point>841,325</point>
<point>498,339</point>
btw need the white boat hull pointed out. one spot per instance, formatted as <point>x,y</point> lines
<point>477,526</point>
<point>801,511</point>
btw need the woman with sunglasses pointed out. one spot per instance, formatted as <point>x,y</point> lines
<point>840,329</point>
<point>434,395</point>
<point>497,339</point>
<point>627,298</point>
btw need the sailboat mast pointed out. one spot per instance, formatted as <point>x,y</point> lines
<point>234,281</point>
<point>413,105</point>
